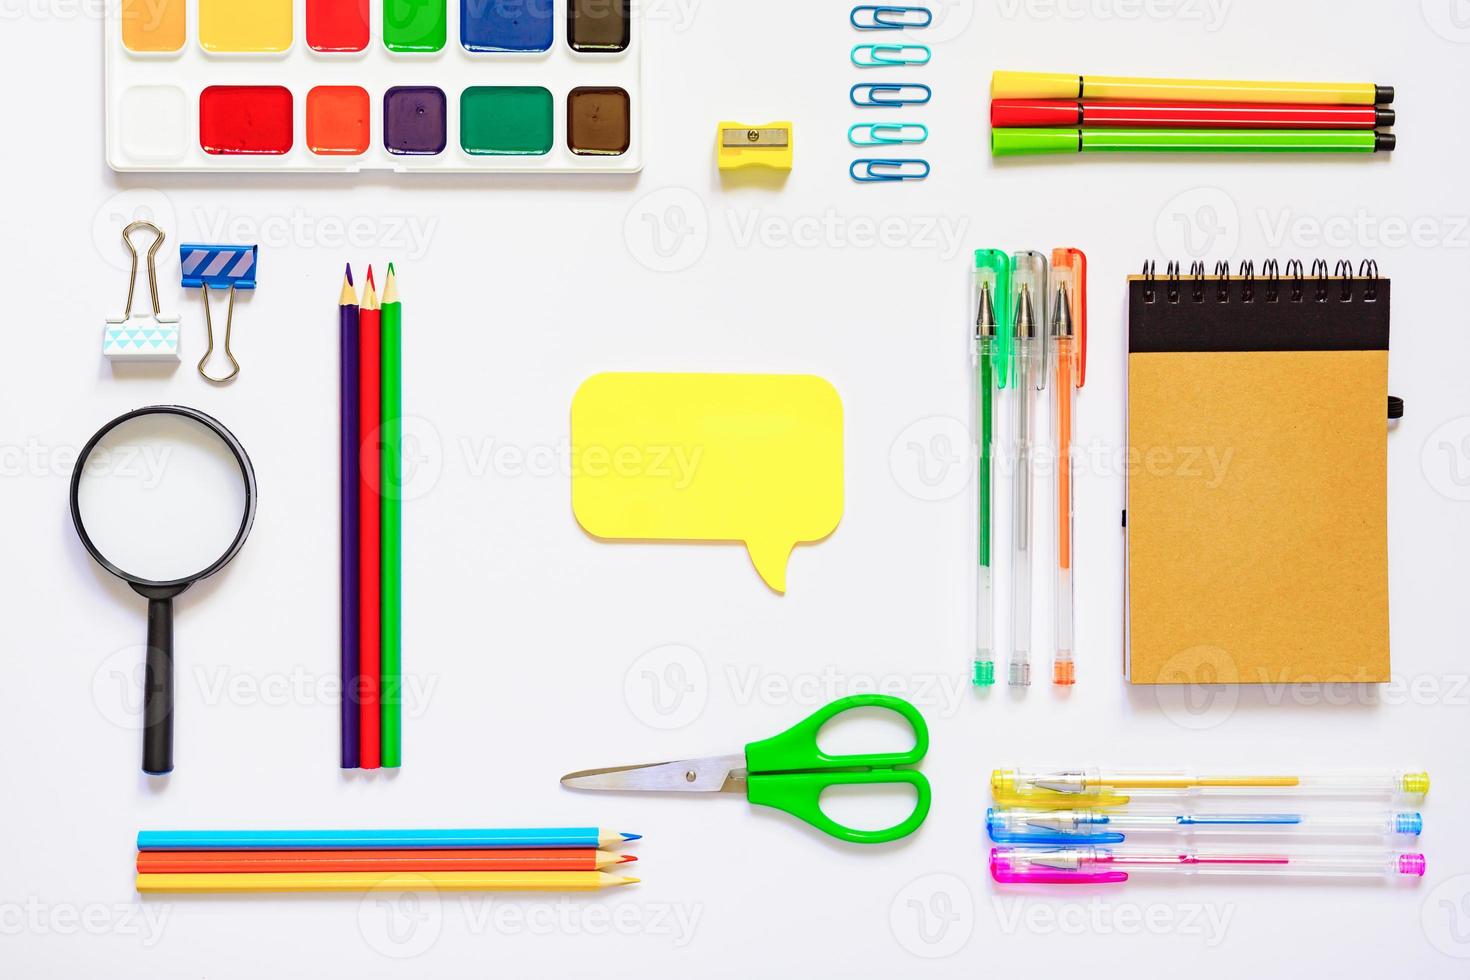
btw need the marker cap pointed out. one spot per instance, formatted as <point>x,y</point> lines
<point>1037,112</point>
<point>1024,142</point>
<point>1034,85</point>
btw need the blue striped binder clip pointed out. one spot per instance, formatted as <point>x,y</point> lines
<point>889,94</point>
<point>872,170</point>
<point>209,267</point>
<point>218,266</point>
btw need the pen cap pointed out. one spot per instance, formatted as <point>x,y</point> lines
<point>1038,788</point>
<point>993,268</point>
<point>1008,142</point>
<point>1035,112</point>
<point>1069,267</point>
<point>1035,85</point>
<point>1060,866</point>
<point>1007,825</point>
<point>1030,269</point>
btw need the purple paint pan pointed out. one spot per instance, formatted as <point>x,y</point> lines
<point>415,120</point>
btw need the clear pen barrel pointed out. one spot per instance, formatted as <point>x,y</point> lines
<point>984,620</point>
<point>1364,824</point>
<point>1298,862</point>
<point>1021,515</point>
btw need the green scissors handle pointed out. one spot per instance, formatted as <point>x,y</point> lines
<point>789,771</point>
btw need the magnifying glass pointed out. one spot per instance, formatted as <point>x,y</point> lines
<point>162,497</point>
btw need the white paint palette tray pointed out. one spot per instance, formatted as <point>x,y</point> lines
<point>446,86</point>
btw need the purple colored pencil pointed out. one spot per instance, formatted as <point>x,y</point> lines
<point>351,442</point>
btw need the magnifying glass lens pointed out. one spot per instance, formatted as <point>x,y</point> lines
<point>162,497</point>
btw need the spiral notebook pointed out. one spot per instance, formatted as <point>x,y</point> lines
<point>1256,521</point>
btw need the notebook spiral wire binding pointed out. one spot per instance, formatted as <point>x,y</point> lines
<point>1271,281</point>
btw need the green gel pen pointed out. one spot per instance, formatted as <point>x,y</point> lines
<point>991,352</point>
<point>984,674</point>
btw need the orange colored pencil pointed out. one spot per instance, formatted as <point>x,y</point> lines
<point>272,862</point>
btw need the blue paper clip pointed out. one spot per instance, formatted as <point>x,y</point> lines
<point>873,171</point>
<point>887,95</point>
<point>883,17</point>
<point>879,134</point>
<point>209,267</point>
<point>883,55</point>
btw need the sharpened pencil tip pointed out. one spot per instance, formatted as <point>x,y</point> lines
<point>370,277</point>
<point>390,268</point>
<point>632,836</point>
<point>625,858</point>
<point>349,275</point>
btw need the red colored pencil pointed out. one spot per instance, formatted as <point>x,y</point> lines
<point>1009,113</point>
<point>370,606</point>
<point>263,862</point>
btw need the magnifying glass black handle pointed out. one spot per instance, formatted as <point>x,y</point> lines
<point>158,681</point>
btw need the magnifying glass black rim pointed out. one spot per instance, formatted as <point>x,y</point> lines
<point>247,472</point>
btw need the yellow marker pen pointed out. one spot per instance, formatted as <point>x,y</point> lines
<point>1052,85</point>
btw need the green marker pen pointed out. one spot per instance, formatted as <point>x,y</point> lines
<point>1005,142</point>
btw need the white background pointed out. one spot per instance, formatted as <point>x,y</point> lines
<point>536,651</point>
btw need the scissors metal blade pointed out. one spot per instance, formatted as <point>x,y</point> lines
<point>717,773</point>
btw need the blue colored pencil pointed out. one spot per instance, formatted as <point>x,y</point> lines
<point>350,449</point>
<point>296,840</point>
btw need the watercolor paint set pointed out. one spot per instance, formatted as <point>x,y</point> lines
<point>357,85</point>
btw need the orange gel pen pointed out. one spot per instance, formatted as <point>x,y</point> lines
<point>1069,344</point>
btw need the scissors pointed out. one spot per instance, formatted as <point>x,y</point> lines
<point>788,772</point>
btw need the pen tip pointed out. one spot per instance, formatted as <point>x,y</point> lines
<point>1025,315</point>
<point>1062,312</point>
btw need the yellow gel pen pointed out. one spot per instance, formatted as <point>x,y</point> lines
<point>1067,788</point>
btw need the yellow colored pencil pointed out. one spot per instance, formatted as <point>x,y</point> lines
<point>362,881</point>
<point>1048,85</point>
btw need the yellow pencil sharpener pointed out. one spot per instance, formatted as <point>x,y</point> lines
<point>738,145</point>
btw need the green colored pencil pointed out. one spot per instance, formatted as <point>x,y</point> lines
<point>392,524</point>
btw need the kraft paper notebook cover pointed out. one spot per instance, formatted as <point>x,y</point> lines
<point>1257,538</point>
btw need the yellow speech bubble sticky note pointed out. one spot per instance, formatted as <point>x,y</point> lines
<point>755,458</point>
